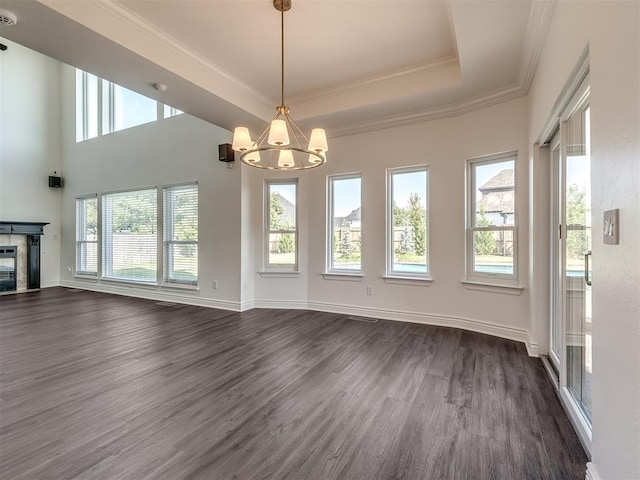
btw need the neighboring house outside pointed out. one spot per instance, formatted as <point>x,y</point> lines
<point>497,199</point>
<point>353,220</point>
<point>288,210</point>
<point>350,227</point>
<point>496,207</point>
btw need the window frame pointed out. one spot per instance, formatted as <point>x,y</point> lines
<point>329,269</point>
<point>279,267</point>
<point>390,244</point>
<point>87,114</point>
<point>470,219</point>
<point>167,229</point>
<point>79,251</point>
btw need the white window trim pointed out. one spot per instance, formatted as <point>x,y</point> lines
<point>83,273</point>
<point>339,272</point>
<point>405,277</point>
<point>278,267</point>
<point>491,280</point>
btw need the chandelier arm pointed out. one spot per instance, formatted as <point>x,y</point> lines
<point>295,128</point>
<point>291,125</point>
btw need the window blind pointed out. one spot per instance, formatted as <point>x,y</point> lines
<point>181,234</point>
<point>129,226</point>
<point>87,236</point>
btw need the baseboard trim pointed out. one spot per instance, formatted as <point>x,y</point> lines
<point>532,347</point>
<point>592,472</point>
<point>473,325</point>
<point>284,304</point>
<point>470,324</point>
<point>155,294</point>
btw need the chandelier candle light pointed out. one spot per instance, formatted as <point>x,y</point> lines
<point>281,145</point>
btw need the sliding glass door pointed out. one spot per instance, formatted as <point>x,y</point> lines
<point>570,337</point>
<point>577,265</point>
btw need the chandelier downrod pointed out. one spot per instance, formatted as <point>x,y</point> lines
<point>282,56</point>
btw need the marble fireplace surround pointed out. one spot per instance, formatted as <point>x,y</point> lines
<point>26,236</point>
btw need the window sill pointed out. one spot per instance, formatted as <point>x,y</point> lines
<point>400,280</point>
<point>278,274</point>
<point>81,276</point>
<point>178,286</point>
<point>492,287</point>
<point>347,277</point>
<point>129,283</point>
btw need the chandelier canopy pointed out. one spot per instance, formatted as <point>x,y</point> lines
<point>282,145</point>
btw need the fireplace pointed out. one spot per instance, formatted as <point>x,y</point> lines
<point>8,268</point>
<point>20,255</point>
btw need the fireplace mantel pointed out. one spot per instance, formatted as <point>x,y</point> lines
<point>32,232</point>
<point>22,228</point>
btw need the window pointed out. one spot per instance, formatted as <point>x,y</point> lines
<point>281,225</point>
<point>491,217</point>
<point>407,235</point>
<point>129,235</point>
<point>171,111</point>
<point>86,106</point>
<point>344,224</point>
<point>120,108</point>
<point>181,234</point>
<point>87,236</point>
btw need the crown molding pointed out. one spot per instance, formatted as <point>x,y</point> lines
<point>450,110</point>
<point>442,64</point>
<point>538,25</point>
<point>539,22</point>
<point>204,71</point>
<point>163,41</point>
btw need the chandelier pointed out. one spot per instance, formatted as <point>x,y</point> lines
<point>282,145</point>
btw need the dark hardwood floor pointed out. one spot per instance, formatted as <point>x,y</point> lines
<point>97,386</point>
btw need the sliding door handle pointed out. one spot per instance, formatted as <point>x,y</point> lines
<point>586,268</point>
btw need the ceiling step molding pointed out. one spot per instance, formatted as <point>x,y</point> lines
<point>537,27</point>
<point>447,111</point>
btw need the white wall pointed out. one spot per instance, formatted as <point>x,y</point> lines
<point>174,150</point>
<point>444,145</point>
<point>611,32</point>
<point>30,147</point>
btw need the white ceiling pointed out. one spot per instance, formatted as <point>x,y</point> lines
<point>350,65</point>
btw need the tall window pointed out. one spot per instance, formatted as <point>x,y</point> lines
<point>344,224</point>
<point>102,107</point>
<point>281,225</point>
<point>171,111</point>
<point>129,235</point>
<point>86,106</point>
<point>407,234</point>
<point>181,234</point>
<point>87,236</point>
<point>491,217</point>
<point>122,108</point>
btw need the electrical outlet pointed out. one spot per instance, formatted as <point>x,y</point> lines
<point>215,284</point>
<point>369,290</point>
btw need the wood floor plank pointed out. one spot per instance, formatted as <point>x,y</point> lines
<point>97,386</point>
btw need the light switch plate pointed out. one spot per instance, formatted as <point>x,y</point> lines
<point>610,226</point>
